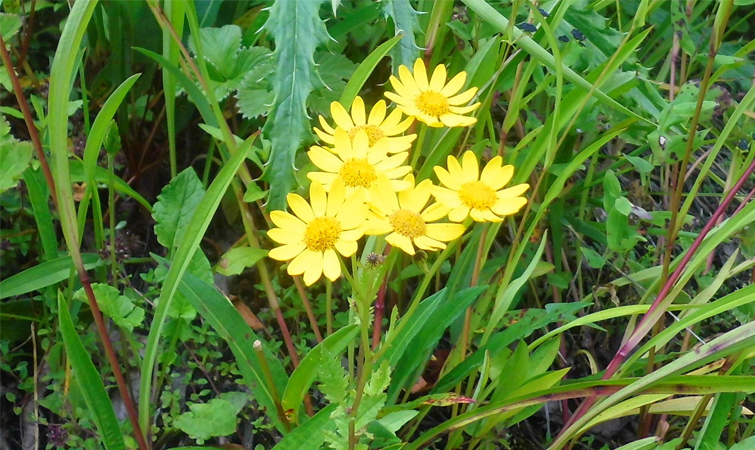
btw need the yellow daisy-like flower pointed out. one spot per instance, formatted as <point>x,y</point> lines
<point>358,164</point>
<point>311,237</point>
<point>377,125</point>
<point>433,102</point>
<point>469,193</point>
<point>406,221</point>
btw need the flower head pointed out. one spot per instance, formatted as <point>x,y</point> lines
<point>469,193</point>
<point>405,219</point>
<point>311,237</point>
<point>377,125</point>
<point>433,102</point>
<point>357,164</point>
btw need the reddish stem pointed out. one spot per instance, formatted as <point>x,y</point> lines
<point>377,329</point>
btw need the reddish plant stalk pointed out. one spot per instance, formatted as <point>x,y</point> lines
<point>654,312</point>
<point>78,263</point>
<point>377,328</point>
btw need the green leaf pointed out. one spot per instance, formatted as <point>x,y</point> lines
<point>14,158</point>
<point>310,434</point>
<point>254,193</point>
<point>306,373</point>
<point>623,205</point>
<point>334,70</point>
<point>42,275</point>
<point>114,305</point>
<point>365,69</point>
<point>229,324</point>
<point>749,442</point>
<point>405,24</point>
<point>297,29</point>
<point>90,381</point>
<point>239,258</point>
<point>175,206</point>
<point>205,420</point>
<point>594,259</point>
<point>220,47</point>
<point>641,164</point>
<point>9,26</point>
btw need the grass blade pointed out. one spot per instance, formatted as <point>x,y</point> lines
<point>42,275</point>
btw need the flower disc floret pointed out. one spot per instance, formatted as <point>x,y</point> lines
<point>312,237</point>
<point>377,125</point>
<point>468,193</point>
<point>358,164</point>
<point>433,102</point>
<point>406,218</point>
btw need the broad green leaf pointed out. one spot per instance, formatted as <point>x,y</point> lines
<point>9,26</point>
<point>238,259</point>
<point>405,24</point>
<point>90,381</point>
<point>297,29</point>
<point>14,158</point>
<point>114,305</point>
<point>334,70</point>
<point>594,259</point>
<point>306,372</point>
<point>175,206</point>
<point>220,46</point>
<point>205,420</point>
<point>747,443</point>
<point>42,275</point>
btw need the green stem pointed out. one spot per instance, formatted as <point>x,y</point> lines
<point>329,306</point>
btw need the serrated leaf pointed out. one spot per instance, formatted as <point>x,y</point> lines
<point>334,383</point>
<point>297,29</point>
<point>220,47</point>
<point>405,22</point>
<point>114,305</point>
<point>14,159</point>
<point>205,420</point>
<point>254,102</point>
<point>238,259</point>
<point>334,70</point>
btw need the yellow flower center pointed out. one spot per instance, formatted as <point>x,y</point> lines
<point>322,234</point>
<point>432,103</point>
<point>357,172</point>
<point>477,194</point>
<point>408,223</point>
<point>374,133</point>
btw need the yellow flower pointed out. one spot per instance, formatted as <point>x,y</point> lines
<point>435,102</point>
<point>467,193</point>
<point>358,164</point>
<point>311,237</point>
<point>377,126</point>
<point>406,221</point>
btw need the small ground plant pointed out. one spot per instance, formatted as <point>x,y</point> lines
<point>394,224</point>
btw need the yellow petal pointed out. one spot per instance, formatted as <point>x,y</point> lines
<point>492,171</point>
<point>324,160</point>
<point>401,143</point>
<point>377,113</point>
<point>318,198</point>
<point>390,122</point>
<point>426,243</point>
<point>346,248</point>
<point>361,144</point>
<point>287,252</point>
<point>353,212</point>
<point>476,215</point>
<point>300,207</point>
<point>415,199</point>
<point>325,137</point>
<point>462,98</point>
<point>400,89</point>
<point>331,266</point>
<point>398,99</point>
<point>463,109</point>
<point>336,198</point>
<point>509,206</point>
<point>357,111</point>
<point>288,221</point>
<point>438,79</point>
<point>325,125</point>
<point>324,178</point>
<point>434,212</point>
<point>490,216</point>
<point>454,168</point>
<point>378,227</point>
<point>420,75</point>
<point>446,179</point>
<point>384,197</point>
<point>513,191</point>
<point>455,84</point>
<point>444,232</point>
<point>454,120</point>
<point>313,272</point>
<point>301,262</point>
<point>502,179</point>
<point>446,196</point>
<point>400,241</point>
<point>341,116</point>
<point>352,235</point>
<point>469,166</point>
<point>282,236</point>
<point>408,81</point>
<point>459,213</point>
